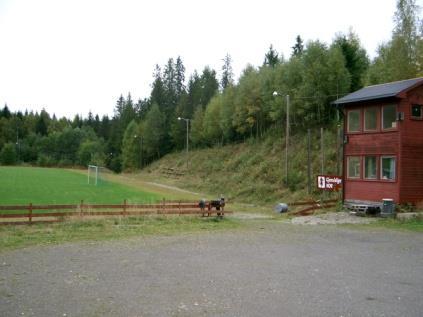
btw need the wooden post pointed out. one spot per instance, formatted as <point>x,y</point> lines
<point>308,161</point>
<point>124,207</point>
<point>322,144</point>
<point>81,209</point>
<point>30,213</point>
<point>322,151</point>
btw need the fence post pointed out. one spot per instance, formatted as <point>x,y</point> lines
<point>124,207</point>
<point>164,206</point>
<point>30,213</point>
<point>81,209</point>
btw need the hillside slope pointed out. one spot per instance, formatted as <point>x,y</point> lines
<point>252,171</point>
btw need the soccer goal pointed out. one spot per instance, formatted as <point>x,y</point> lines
<point>94,174</point>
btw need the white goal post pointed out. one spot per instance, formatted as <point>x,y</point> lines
<point>94,174</point>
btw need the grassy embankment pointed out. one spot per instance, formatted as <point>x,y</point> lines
<point>251,172</point>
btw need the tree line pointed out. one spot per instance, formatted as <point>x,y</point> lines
<point>219,110</point>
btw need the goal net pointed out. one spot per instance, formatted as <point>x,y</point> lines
<point>94,174</point>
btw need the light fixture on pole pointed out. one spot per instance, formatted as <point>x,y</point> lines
<point>275,93</point>
<point>187,124</point>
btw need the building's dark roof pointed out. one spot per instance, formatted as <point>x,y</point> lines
<point>380,91</point>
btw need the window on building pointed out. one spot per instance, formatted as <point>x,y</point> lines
<point>417,111</point>
<point>354,121</point>
<point>389,117</point>
<point>387,169</point>
<point>370,168</point>
<point>370,119</point>
<point>353,166</point>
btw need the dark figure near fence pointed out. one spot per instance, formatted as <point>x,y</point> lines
<point>218,203</point>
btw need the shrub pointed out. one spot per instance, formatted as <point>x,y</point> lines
<point>8,154</point>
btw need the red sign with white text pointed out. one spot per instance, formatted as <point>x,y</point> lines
<point>329,182</point>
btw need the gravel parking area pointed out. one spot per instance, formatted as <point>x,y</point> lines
<point>269,269</point>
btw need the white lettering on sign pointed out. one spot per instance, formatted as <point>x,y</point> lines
<point>329,182</point>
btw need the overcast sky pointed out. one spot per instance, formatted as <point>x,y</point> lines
<point>73,56</point>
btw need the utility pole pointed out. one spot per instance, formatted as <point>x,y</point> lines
<point>287,139</point>
<point>187,124</point>
<point>275,93</point>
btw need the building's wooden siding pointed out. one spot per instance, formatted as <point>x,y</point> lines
<point>371,190</point>
<point>411,183</point>
<point>372,143</point>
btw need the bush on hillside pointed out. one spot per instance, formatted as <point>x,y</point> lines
<point>8,154</point>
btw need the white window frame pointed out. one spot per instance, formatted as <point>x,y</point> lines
<point>359,120</point>
<point>359,167</point>
<point>364,167</point>
<point>364,121</point>
<point>395,167</point>
<point>382,118</point>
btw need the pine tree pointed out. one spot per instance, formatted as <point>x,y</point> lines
<point>180,77</point>
<point>356,59</point>
<point>271,58</point>
<point>130,147</point>
<point>227,72</point>
<point>298,48</point>
<point>209,85</point>
<point>155,133</point>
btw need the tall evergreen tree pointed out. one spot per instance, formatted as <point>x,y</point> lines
<point>180,77</point>
<point>227,72</point>
<point>154,135</point>
<point>130,147</point>
<point>271,58</point>
<point>356,59</point>
<point>298,48</point>
<point>209,85</point>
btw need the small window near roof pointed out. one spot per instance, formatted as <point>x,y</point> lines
<point>389,117</point>
<point>417,111</point>
<point>354,121</point>
<point>370,119</point>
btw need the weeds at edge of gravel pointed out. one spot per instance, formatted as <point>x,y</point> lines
<point>414,225</point>
<point>14,237</point>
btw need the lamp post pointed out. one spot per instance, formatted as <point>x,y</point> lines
<point>275,93</point>
<point>187,124</point>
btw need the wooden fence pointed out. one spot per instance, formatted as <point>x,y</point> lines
<point>313,206</point>
<point>29,214</point>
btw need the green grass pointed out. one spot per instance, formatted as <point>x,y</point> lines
<point>24,185</point>
<point>407,225</point>
<point>13,237</point>
<point>253,171</point>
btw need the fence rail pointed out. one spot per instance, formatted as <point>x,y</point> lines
<point>314,204</point>
<point>56,213</point>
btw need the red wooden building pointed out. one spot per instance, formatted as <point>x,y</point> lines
<point>383,143</point>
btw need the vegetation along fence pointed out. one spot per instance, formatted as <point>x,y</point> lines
<point>29,214</point>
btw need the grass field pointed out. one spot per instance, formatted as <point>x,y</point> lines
<point>23,185</point>
<point>13,237</point>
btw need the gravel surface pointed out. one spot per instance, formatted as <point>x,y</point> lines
<point>269,269</point>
